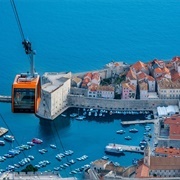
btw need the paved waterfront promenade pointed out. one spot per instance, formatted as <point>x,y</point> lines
<point>138,122</point>
<point>31,176</point>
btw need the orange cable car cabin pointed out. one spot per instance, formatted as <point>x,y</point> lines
<point>26,94</point>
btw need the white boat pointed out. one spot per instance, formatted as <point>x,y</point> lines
<point>105,157</point>
<point>2,143</point>
<point>114,149</point>
<point>148,116</point>
<point>30,143</point>
<point>120,131</point>
<point>73,115</point>
<point>128,138</point>
<point>9,138</point>
<point>80,118</point>
<point>63,115</point>
<point>53,146</point>
<point>133,130</point>
<point>31,157</point>
<point>72,161</point>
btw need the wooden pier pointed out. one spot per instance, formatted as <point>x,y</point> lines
<point>138,122</point>
<point>128,148</point>
<point>3,131</point>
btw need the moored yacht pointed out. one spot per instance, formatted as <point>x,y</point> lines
<point>80,118</point>
<point>53,146</point>
<point>114,149</point>
<point>128,138</point>
<point>2,143</point>
<point>133,130</point>
<point>120,131</point>
<point>73,115</point>
<point>9,138</point>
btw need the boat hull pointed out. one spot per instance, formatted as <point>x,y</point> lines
<point>114,149</point>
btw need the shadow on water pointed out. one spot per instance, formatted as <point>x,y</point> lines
<point>51,128</point>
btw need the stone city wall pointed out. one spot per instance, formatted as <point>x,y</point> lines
<point>168,143</point>
<point>117,104</point>
<point>78,91</point>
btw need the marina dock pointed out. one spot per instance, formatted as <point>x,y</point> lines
<point>128,148</point>
<point>138,122</point>
<point>3,131</point>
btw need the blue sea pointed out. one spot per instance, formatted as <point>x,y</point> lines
<point>76,36</point>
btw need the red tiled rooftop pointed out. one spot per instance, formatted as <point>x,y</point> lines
<point>174,75</point>
<point>168,151</point>
<point>86,80</point>
<point>176,58</point>
<point>158,70</point>
<point>89,74</point>
<point>174,126</point>
<point>164,163</point>
<point>141,75</point>
<point>138,66</point>
<point>142,171</point>
<point>131,75</point>
<point>93,87</point>
<point>150,78</point>
<point>166,70</point>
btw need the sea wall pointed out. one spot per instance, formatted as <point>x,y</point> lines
<point>117,104</point>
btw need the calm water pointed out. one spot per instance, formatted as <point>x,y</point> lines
<point>77,36</point>
<point>87,137</point>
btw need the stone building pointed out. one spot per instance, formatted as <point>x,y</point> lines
<point>154,166</point>
<point>128,90</point>
<point>143,89</point>
<point>168,90</point>
<point>55,88</point>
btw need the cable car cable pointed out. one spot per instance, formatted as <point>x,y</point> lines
<point>17,19</point>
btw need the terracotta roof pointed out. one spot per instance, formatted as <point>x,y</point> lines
<point>142,171</point>
<point>150,78</point>
<point>89,74</point>
<point>131,75</point>
<point>141,75</point>
<point>164,163</point>
<point>105,88</point>
<point>168,151</point>
<point>86,80</point>
<point>96,76</point>
<point>161,78</point>
<point>116,64</point>
<point>93,87</point>
<point>166,70</point>
<point>175,75</point>
<point>138,66</point>
<point>174,127</point>
<point>169,65</point>
<point>158,70</point>
<point>176,58</point>
<point>168,84</point>
<point>157,62</point>
<point>129,86</point>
